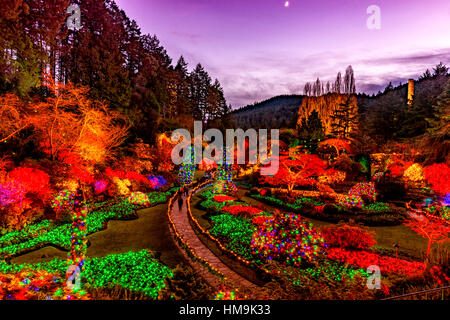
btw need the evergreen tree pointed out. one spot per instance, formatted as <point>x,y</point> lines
<point>440,122</point>
<point>440,69</point>
<point>200,85</point>
<point>425,75</point>
<point>388,88</point>
<point>345,119</point>
<point>311,128</point>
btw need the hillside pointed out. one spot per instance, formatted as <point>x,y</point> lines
<point>276,112</point>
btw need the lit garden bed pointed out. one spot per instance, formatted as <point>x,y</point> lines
<point>138,272</point>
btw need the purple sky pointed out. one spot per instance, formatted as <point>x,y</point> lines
<point>259,48</point>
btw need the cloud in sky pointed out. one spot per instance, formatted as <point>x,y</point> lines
<point>258,48</point>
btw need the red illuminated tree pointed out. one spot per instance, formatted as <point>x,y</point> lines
<point>295,168</point>
<point>436,231</point>
<point>438,176</point>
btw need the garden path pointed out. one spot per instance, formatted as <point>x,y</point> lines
<point>233,279</point>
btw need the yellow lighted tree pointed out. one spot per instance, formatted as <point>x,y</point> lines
<point>68,121</point>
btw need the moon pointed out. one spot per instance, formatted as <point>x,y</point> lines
<point>286,4</point>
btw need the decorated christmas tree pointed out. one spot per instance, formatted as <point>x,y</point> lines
<point>187,169</point>
<point>224,176</point>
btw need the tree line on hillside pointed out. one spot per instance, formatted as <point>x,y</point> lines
<point>109,54</point>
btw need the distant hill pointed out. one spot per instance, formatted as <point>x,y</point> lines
<point>274,113</point>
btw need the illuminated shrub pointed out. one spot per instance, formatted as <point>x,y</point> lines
<point>438,176</point>
<point>11,192</point>
<point>14,207</point>
<point>348,237</point>
<point>287,238</point>
<point>364,190</point>
<point>223,198</point>
<point>378,207</point>
<point>126,179</point>
<point>100,186</point>
<point>241,210</point>
<point>414,173</point>
<point>353,201</point>
<point>139,198</point>
<point>397,167</point>
<point>122,186</point>
<point>36,284</point>
<point>157,182</point>
<point>33,180</point>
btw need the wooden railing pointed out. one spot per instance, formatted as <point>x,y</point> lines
<point>426,292</point>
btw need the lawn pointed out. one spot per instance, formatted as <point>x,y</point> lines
<point>149,231</point>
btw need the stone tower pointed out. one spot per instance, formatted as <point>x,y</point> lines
<point>410,91</point>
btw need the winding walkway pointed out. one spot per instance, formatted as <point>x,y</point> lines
<point>233,279</point>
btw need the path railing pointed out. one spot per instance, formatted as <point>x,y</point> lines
<point>443,290</point>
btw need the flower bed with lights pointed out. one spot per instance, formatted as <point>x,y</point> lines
<point>364,259</point>
<point>235,232</point>
<point>223,198</point>
<point>302,205</point>
<point>227,294</point>
<point>246,238</point>
<point>325,271</point>
<point>351,207</point>
<point>136,271</point>
<point>239,209</point>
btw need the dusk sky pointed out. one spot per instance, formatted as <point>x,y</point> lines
<point>262,48</point>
